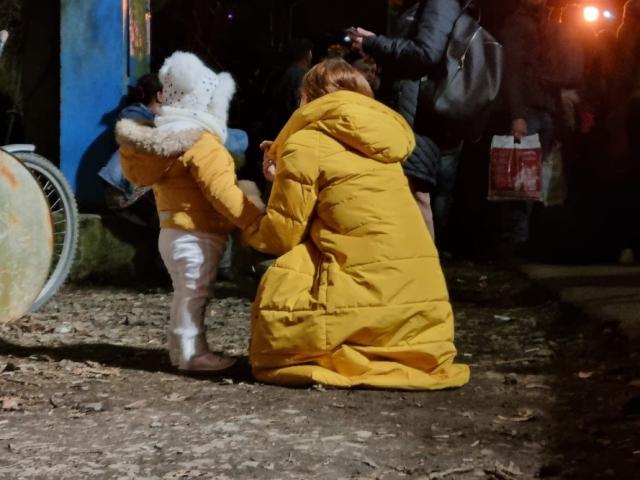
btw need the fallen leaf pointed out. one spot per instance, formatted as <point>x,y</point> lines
<point>446,473</point>
<point>175,397</point>
<point>523,415</point>
<point>91,407</point>
<point>502,472</point>
<point>136,405</point>
<point>585,375</point>
<point>12,403</point>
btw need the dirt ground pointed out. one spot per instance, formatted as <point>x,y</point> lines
<point>86,392</point>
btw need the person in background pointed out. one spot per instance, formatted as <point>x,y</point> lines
<point>414,49</point>
<point>532,96</point>
<point>197,195</point>
<point>357,295</point>
<point>135,204</point>
<point>286,93</point>
<point>368,68</point>
<point>625,131</point>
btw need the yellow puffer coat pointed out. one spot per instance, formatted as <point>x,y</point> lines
<point>358,296</point>
<point>192,174</point>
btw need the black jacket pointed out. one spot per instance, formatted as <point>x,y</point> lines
<point>627,69</point>
<point>417,43</point>
<point>414,49</point>
<point>530,81</point>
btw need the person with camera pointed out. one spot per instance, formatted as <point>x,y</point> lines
<point>415,48</point>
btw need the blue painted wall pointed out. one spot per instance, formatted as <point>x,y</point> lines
<point>93,64</point>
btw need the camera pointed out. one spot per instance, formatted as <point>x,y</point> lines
<point>348,34</point>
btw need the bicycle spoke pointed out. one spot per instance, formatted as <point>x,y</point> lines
<point>58,201</point>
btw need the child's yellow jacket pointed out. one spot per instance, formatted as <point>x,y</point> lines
<point>192,175</point>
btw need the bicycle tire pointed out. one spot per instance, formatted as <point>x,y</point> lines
<point>64,218</point>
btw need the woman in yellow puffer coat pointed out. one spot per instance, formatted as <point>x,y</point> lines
<point>198,199</point>
<point>357,296</point>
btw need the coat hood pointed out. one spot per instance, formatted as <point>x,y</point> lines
<point>161,148</point>
<point>153,141</point>
<point>357,121</point>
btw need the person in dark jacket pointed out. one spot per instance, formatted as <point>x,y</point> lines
<point>135,204</point>
<point>624,125</point>
<point>532,95</point>
<point>414,49</point>
<point>529,76</point>
<point>286,94</point>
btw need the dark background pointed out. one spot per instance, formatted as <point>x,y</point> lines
<point>248,38</point>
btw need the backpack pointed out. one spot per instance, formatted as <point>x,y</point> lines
<point>469,80</point>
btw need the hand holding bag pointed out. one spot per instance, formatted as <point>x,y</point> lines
<point>515,170</point>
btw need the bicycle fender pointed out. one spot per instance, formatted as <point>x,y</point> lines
<point>19,147</point>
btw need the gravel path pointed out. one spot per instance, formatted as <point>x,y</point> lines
<point>86,392</point>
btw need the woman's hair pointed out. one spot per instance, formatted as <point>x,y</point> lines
<point>333,75</point>
<point>145,90</point>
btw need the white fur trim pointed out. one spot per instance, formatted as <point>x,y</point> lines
<point>155,141</point>
<point>221,99</point>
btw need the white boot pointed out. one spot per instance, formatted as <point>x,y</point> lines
<point>192,261</point>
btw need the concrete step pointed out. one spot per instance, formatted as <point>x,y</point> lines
<point>117,252</point>
<point>605,292</point>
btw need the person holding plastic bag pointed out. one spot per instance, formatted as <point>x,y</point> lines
<point>532,96</point>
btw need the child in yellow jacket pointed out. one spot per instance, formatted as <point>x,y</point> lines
<point>197,195</point>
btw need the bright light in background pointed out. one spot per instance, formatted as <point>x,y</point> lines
<point>608,14</point>
<point>591,14</point>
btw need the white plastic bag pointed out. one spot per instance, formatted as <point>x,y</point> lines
<point>515,171</point>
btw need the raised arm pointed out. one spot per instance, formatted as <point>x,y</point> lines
<point>293,198</point>
<point>213,169</point>
<point>415,56</point>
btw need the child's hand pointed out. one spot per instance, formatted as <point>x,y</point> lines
<point>269,169</point>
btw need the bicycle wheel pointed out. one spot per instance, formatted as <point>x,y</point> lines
<point>64,217</point>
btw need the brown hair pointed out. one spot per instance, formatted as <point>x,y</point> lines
<point>332,75</point>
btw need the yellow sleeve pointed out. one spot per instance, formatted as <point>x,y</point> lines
<point>142,170</point>
<point>212,167</point>
<point>292,201</point>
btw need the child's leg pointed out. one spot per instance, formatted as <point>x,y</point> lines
<point>192,261</point>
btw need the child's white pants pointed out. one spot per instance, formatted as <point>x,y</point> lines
<point>192,260</point>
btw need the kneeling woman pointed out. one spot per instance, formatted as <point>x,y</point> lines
<point>357,296</point>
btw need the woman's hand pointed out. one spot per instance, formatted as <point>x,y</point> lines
<point>519,128</point>
<point>358,35</point>
<point>268,162</point>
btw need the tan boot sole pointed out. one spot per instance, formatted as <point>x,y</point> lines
<point>194,366</point>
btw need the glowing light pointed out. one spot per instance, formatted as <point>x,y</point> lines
<point>591,14</point>
<point>608,14</point>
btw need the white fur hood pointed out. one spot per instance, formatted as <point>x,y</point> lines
<point>154,141</point>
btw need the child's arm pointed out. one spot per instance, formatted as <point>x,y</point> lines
<point>292,202</point>
<point>213,169</point>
